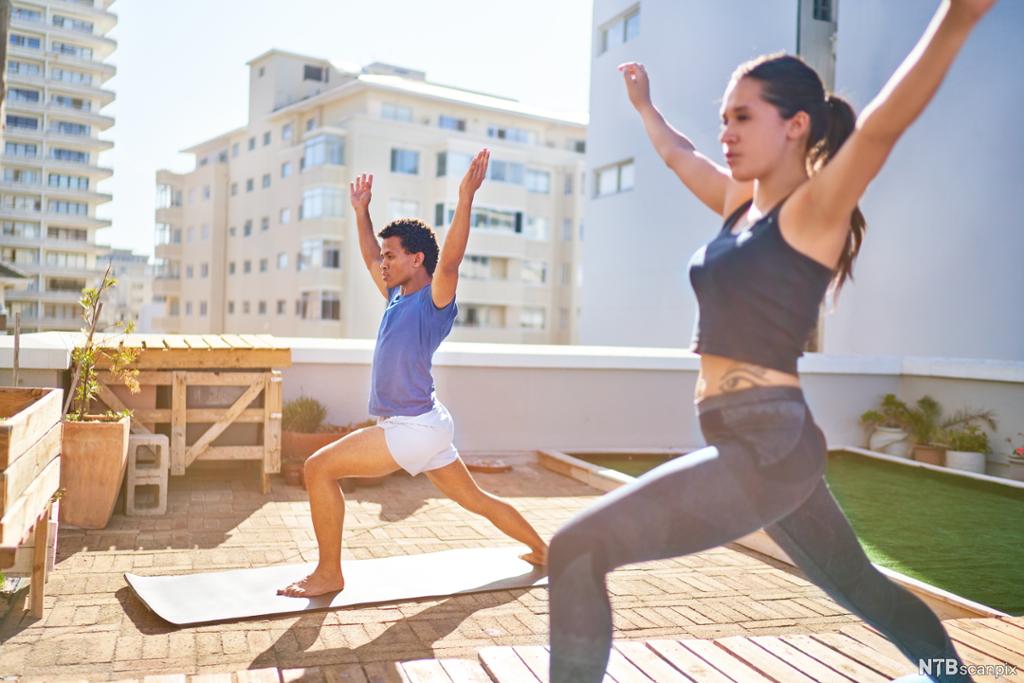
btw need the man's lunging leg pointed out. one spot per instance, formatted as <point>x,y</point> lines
<point>455,481</point>
<point>363,453</point>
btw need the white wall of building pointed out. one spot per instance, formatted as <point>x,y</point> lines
<point>939,273</point>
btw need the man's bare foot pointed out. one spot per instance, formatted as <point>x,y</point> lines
<point>537,557</point>
<point>315,584</point>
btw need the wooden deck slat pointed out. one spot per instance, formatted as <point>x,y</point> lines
<point>800,660</point>
<point>259,341</point>
<point>196,341</point>
<point>989,629</point>
<point>840,661</point>
<point>174,342</point>
<point>536,658</point>
<point>215,342</point>
<point>236,341</point>
<point>743,648</point>
<point>686,661</point>
<point>893,668</point>
<point>652,664</point>
<point>465,671</point>
<point>972,656</point>
<point>384,672</point>
<point>962,635</point>
<point>723,661</point>
<point>622,670</point>
<point>425,671</point>
<point>869,637</point>
<point>505,666</point>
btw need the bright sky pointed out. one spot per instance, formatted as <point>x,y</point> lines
<point>181,73</point>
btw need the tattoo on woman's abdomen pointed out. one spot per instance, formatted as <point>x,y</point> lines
<point>742,377</point>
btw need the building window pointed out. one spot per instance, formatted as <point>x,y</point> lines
<point>263,265</point>
<point>510,134</point>
<point>566,229</point>
<point>323,150</point>
<point>249,185</point>
<point>536,228</point>
<point>252,144</point>
<point>202,309</point>
<point>396,112</point>
<point>231,308</point>
<point>822,10</point>
<point>320,305</point>
<point>534,272</point>
<point>475,315</point>
<point>313,73</point>
<point>285,216</point>
<point>451,123</point>
<point>247,228</point>
<point>614,179</point>
<point>405,161</point>
<point>266,180</point>
<point>247,266</point>
<point>231,268</point>
<point>538,181</point>
<point>189,272</point>
<point>246,307</point>
<point>204,270</point>
<point>403,208</point>
<point>265,223</point>
<point>286,169</point>
<point>266,138</point>
<point>18,40</point>
<point>188,308</point>
<point>280,306</point>
<point>234,150</point>
<point>234,189</point>
<point>21,149</point>
<point>261,308</point>
<point>282,261</point>
<point>455,163</point>
<point>475,267</point>
<point>286,132</point>
<point>320,253</point>
<point>26,122</point>
<point>531,318</point>
<point>484,218</point>
<point>71,155</point>
<point>567,187</point>
<point>206,192</point>
<point>322,202</point>
<point>310,124</point>
<point>505,172</point>
<point>620,30</point>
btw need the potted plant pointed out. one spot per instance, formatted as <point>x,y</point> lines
<point>94,447</point>
<point>924,423</point>
<point>888,424</point>
<point>967,447</point>
<point>1017,461</point>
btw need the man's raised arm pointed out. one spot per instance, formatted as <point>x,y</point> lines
<point>446,275</point>
<point>359,192</point>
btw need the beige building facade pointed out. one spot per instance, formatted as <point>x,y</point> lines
<point>260,236</point>
<point>55,73</point>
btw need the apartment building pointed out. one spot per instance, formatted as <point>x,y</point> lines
<point>939,271</point>
<point>55,70</point>
<point>134,290</point>
<point>260,238</point>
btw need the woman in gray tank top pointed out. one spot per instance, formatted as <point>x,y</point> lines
<point>798,162</point>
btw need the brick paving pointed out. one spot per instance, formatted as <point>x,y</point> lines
<point>95,629</point>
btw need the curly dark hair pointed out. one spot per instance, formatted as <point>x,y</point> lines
<point>416,237</point>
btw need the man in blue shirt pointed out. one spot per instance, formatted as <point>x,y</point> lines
<point>415,430</point>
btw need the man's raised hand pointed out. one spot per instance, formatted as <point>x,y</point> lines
<point>359,191</point>
<point>638,84</point>
<point>475,174</point>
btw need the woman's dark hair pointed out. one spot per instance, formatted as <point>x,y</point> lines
<point>791,86</point>
<point>416,237</point>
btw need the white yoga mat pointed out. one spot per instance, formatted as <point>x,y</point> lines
<point>241,593</point>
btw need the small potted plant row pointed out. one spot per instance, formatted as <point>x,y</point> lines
<point>1016,461</point>
<point>957,441</point>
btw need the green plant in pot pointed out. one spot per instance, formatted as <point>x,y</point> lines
<point>966,442</point>
<point>888,424</point>
<point>94,446</point>
<point>924,422</point>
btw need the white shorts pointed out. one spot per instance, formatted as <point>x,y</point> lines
<point>421,443</point>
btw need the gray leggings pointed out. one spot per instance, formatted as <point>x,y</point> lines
<point>764,468</point>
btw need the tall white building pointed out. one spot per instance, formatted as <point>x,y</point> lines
<point>55,71</point>
<point>260,236</point>
<point>939,273</point>
<point>134,290</point>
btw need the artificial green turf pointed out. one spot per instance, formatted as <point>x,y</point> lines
<point>959,534</point>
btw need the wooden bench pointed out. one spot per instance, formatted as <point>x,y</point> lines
<point>30,444</point>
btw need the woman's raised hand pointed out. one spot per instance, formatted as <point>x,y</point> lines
<point>638,85</point>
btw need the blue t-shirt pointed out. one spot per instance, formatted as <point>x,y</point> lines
<point>410,331</point>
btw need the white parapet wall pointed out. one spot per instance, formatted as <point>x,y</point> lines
<point>508,397</point>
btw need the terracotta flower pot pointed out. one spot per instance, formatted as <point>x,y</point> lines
<point>94,455</point>
<point>297,446</point>
<point>932,455</point>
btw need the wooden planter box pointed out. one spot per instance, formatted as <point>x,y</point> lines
<point>30,443</point>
